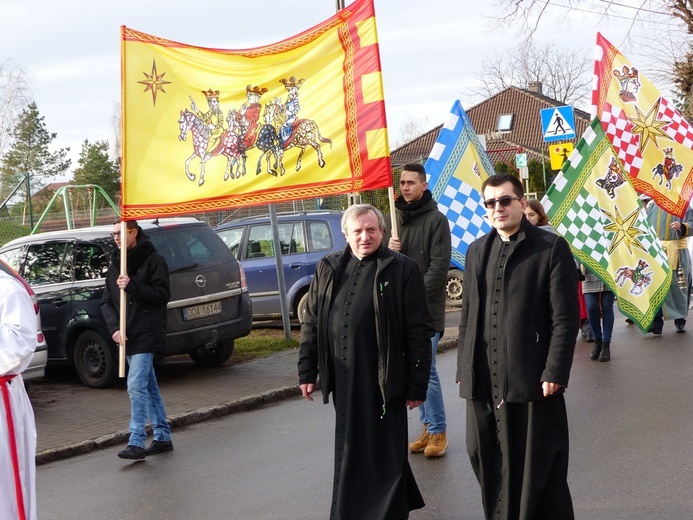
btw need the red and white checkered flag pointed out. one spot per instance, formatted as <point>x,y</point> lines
<point>652,140</point>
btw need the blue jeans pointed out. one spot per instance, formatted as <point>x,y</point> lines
<point>600,313</point>
<point>145,401</point>
<point>432,411</point>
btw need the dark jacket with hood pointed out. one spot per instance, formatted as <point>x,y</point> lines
<point>424,234</point>
<point>403,325</point>
<point>148,293</point>
<point>541,314</point>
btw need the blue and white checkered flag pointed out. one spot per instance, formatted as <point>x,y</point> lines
<point>457,166</point>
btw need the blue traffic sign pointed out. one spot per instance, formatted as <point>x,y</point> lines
<point>558,123</point>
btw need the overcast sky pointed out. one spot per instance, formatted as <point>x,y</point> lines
<point>430,49</point>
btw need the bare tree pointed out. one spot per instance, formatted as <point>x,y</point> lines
<point>525,16</point>
<point>665,56</point>
<point>565,75</point>
<point>16,92</point>
<point>409,130</point>
<point>116,120</point>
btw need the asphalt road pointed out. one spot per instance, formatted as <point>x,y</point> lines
<point>631,457</point>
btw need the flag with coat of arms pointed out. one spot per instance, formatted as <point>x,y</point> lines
<point>652,140</point>
<point>594,206</point>
<point>457,166</point>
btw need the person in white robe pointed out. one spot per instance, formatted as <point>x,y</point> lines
<point>17,426</point>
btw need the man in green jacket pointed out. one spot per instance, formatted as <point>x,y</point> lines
<point>424,236</point>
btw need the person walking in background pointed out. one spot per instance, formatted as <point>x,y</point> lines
<point>672,232</point>
<point>146,287</point>
<point>368,334</point>
<point>519,321</point>
<point>537,216</point>
<point>424,236</point>
<point>600,312</point>
<point>17,426</point>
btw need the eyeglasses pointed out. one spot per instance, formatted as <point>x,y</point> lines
<point>117,233</point>
<point>503,201</point>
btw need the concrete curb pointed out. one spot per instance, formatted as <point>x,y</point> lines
<point>193,417</point>
<point>447,344</point>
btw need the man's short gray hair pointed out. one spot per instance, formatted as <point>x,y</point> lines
<point>359,209</point>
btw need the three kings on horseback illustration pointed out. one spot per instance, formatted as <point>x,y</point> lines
<point>279,130</point>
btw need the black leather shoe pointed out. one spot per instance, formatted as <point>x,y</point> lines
<point>596,350</point>
<point>680,327</point>
<point>132,453</point>
<point>605,354</point>
<point>654,330</point>
<point>158,447</point>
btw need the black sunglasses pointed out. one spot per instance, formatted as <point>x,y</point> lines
<point>503,201</point>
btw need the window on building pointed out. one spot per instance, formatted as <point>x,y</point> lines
<point>505,122</point>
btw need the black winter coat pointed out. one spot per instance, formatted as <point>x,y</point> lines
<point>148,293</point>
<point>540,310</point>
<point>424,234</point>
<point>403,324</point>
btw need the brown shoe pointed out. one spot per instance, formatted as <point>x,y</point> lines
<point>419,445</point>
<point>437,444</point>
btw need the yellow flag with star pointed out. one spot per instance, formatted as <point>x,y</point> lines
<point>209,129</point>
<point>653,141</point>
<point>593,204</point>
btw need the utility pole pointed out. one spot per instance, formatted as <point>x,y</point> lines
<point>28,198</point>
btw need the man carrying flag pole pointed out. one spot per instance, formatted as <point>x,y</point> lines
<point>424,236</point>
<point>143,290</point>
<point>456,168</point>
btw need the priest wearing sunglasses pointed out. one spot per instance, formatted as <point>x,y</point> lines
<point>519,323</point>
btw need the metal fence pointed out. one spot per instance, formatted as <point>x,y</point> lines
<point>18,226</point>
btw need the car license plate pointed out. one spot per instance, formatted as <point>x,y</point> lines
<point>201,311</point>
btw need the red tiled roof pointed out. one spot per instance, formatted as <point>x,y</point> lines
<point>416,150</point>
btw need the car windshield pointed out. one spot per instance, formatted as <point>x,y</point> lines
<point>187,247</point>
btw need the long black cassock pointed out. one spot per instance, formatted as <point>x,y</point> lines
<point>519,451</point>
<point>372,476</point>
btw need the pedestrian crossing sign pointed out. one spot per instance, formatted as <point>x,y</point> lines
<point>558,123</point>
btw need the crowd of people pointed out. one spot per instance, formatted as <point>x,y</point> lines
<point>373,345</point>
<point>375,314</point>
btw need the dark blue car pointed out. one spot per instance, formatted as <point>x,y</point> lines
<point>305,238</point>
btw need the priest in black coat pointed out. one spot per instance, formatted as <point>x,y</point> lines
<point>520,318</point>
<point>367,333</point>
